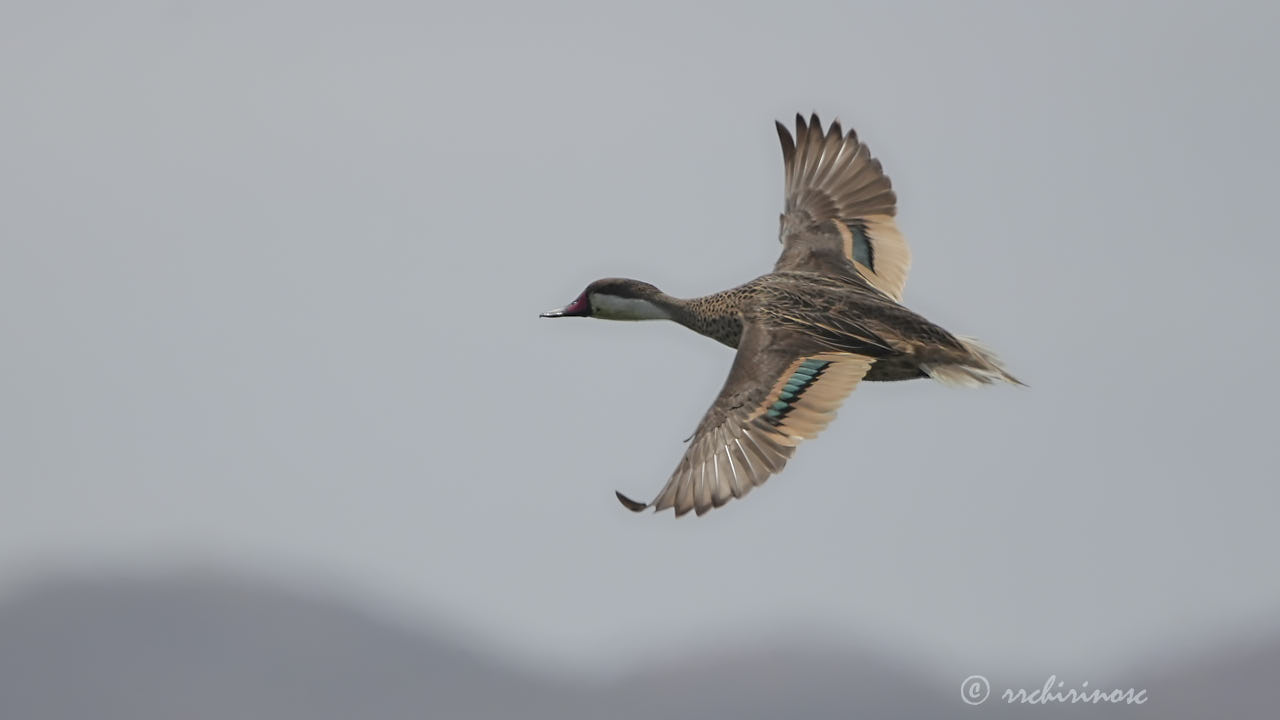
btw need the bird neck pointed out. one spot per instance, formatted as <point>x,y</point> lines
<point>702,315</point>
<point>708,316</point>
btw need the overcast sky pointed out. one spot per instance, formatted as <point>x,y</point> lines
<point>270,275</point>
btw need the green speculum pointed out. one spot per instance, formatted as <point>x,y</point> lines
<point>804,376</point>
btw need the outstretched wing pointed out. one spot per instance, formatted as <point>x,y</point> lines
<point>782,389</point>
<point>839,209</point>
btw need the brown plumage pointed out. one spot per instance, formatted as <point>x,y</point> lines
<point>827,317</point>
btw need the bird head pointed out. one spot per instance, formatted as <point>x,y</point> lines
<point>616,299</point>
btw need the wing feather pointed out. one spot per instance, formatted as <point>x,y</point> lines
<point>830,177</point>
<point>781,391</point>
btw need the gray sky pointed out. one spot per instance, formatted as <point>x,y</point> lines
<point>270,276</point>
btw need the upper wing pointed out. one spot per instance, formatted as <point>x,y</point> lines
<point>839,209</point>
<point>781,390</point>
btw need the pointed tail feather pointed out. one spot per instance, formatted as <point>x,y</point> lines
<point>982,368</point>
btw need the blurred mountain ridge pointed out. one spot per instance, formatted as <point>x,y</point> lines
<point>211,645</point>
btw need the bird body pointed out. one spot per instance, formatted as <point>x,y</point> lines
<point>828,316</point>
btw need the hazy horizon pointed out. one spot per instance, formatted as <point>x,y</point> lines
<point>217,645</point>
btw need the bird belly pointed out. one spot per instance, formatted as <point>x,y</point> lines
<point>900,367</point>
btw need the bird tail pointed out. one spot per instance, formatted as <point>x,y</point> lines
<point>982,367</point>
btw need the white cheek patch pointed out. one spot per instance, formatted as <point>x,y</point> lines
<point>612,307</point>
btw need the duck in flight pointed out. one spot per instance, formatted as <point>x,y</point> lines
<point>827,317</point>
